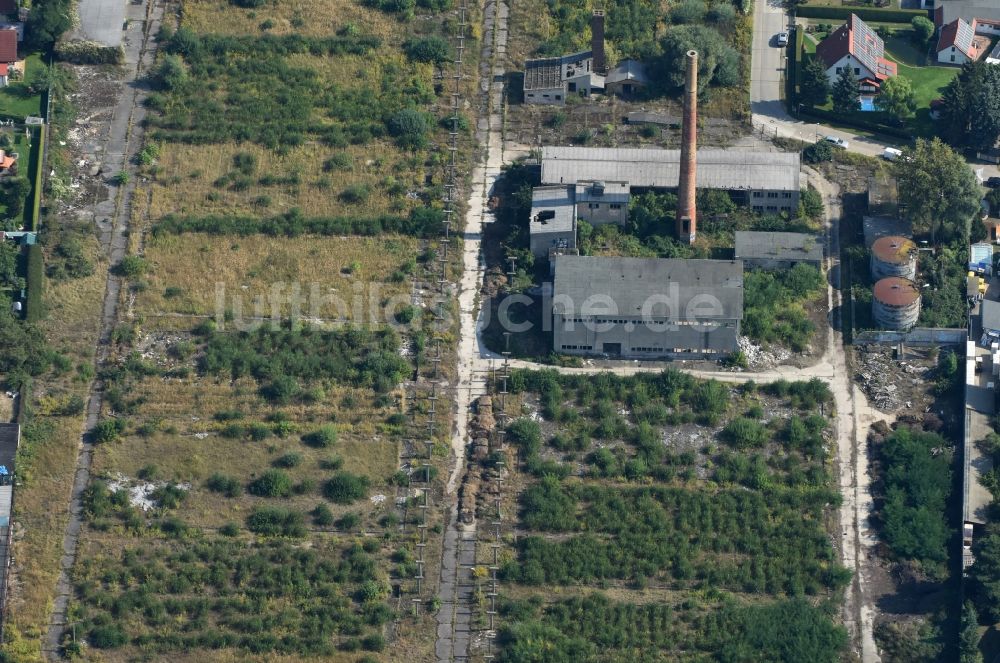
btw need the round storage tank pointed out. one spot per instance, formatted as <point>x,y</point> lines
<point>894,256</point>
<point>896,303</point>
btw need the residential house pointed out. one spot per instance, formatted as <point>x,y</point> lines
<point>855,45</point>
<point>8,46</point>
<point>646,308</point>
<point>958,43</point>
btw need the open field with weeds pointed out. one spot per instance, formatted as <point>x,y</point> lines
<point>692,517</point>
<point>359,272</point>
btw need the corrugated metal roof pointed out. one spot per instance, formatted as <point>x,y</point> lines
<point>643,167</point>
<point>674,288</point>
<point>555,199</point>
<point>778,246</point>
<point>990,312</point>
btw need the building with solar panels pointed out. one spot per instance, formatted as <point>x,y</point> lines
<point>855,45</point>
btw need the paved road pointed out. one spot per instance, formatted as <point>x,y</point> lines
<point>101,21</point>
<point>767,61</point>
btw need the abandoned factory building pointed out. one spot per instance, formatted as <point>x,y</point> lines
<point>646,308</point>
<point>765,181</point>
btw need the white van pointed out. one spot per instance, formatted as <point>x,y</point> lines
<point>891,154</point>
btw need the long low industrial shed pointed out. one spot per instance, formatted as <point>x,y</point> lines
<point>646,307</point>
<point>765,181</point>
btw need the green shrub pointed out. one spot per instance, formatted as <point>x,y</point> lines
<point>410,128</point>
<point>228,486</point>
<point>288,460</point>
<point>110,636</point>
<point>108,430</point>
<point>230,529</point>
<point>322,516</point>
<point>345,488</point>
<point>275,521</point>
<point>132,266</point>
<point>744,433</point>
<point>427,49</point>
<point>323,437</point>
<point>272,483</point>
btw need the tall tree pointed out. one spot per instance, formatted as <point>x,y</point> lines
<point>984,575</point>
<point>845,91</point>
<point>971,113</point>
<point>897,98</point>
<point>968,637</point>
<point>815,88</point>
<point>938,188</point>
<point>922,29</point>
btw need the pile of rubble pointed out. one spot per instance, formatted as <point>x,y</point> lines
<point>757,357</point>
<point>879,375</point>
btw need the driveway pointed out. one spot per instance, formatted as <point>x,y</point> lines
<point>101,21</point>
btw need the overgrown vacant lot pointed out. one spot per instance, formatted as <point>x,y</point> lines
<point>690,518</point>
<point>249,497</point>
<point>337,277</point>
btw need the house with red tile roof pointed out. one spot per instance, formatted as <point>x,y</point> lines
<point>958,42</point>
<point>855,45</point>
<point>8,46</point>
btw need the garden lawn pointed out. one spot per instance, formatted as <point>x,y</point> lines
<point>15,101</point>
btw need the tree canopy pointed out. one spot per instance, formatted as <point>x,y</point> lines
<point>897,98</point>
<point>938,188</point>
<point>971,113</point>
<point>845,91</point>
<point>718,62</point>
<point>815,88</point>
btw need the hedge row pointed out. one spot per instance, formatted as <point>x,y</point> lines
<point>422,222</point>
<point>35,281</point>
<point>864,13</point>
<point>36,197</point>
<point>80,51</point>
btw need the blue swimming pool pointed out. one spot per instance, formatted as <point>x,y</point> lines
<point>868,103</point>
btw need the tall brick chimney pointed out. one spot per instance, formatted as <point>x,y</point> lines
<point>597,41</point>
<point>687,214</point>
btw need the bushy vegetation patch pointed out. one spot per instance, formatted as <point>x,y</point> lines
<point>916,482</point>
<point>772,305</point>
<point>595,629</point>
<point>278,359</point>
<point>242,88</point>
<point>772,542</point>
<point>221,594</point>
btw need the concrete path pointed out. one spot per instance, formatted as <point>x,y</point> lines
<point>112,215</point>
<point>454,619</point>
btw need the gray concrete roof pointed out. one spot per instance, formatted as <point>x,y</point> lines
<point>988,10</point>
<point>614,192</point>
<point>778,246</point>
<point>991,315</point>
<point>555,199</point>
<point>689,289</point>
<point>642,167</point>
<point>630,71</point>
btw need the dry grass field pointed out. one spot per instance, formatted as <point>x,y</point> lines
<point>337,276</point>
<point>308,17</point>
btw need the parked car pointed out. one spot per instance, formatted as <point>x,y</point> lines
<point>891,153</point>
<point>782,39</point>
<point>839,142</point>
<point>992,182</point>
